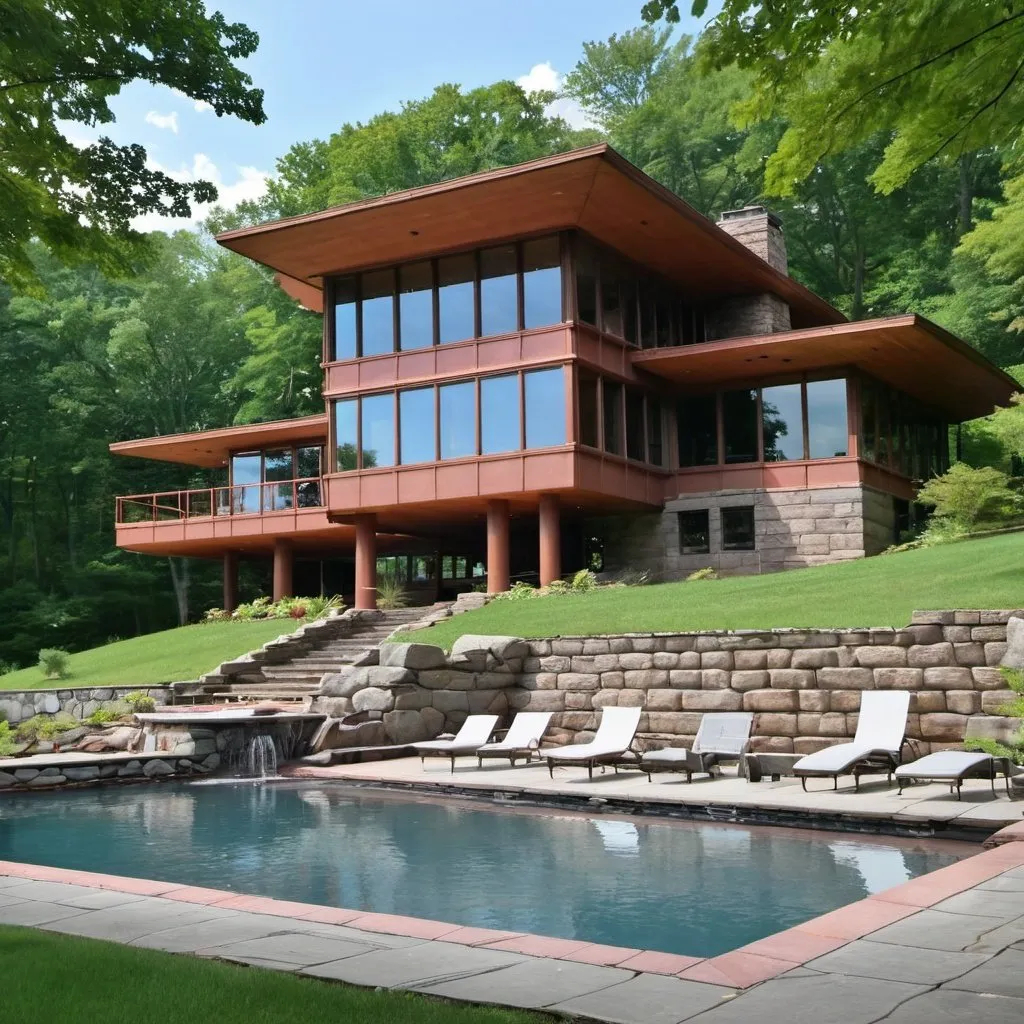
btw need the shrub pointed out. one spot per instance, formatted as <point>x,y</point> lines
<point>556,587</point>
<point>45,727</point>
<point>138,701</point>
<point>391,592</point>
<point>216,615</point>
<point>54,662</point>
<point>519,591</point>
<point>583,582</point>
<point>707,573</point>
<point>104,716</point>
<point>8,744</point>
<point>1014,709</point>
<point>318,607</point>
<point>965,498</point>
<point>630,577</point>
<point>6,666</point>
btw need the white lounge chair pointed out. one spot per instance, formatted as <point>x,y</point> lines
<point>521,740</point>
<point>953,766</point>
<point>614,737</point>
<point>720,737</point>
<point>881,730</point>
<point>475,732</point>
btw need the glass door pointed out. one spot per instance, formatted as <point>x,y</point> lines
<point>278,474</point>
<point>245,483</point>
<point>307,472</point>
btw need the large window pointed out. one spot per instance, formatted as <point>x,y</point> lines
<point>246,477</point>
<point>378,426</point>
<point>868,423</point>
<point>416,422</point>
<point>635,424</point>
<point>827,427</point>
<point>782,422</point>
<point>378,309</point>
<point>738,528</point>
<point>346,434</point>
<point>544,399</point>
<point>416,306</point>
<point>272,481</point>
<point>279,470</point>
<point>697,426</point>
<point>586,284</point>
<point>611,398</point>
<point>655,432</point>
<point>499,414</point>
<point>542,283</point>
<point>499,302</point>
<point>739,425</point>
<point>587,403</point>
<point>896,431</point>
<point>344,318</point>
<point>458,420</point>
<point>455,293</point>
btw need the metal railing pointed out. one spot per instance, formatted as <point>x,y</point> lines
<point>206,502</point>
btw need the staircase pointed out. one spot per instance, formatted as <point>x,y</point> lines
<point>275,673</point>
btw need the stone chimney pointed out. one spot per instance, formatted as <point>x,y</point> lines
<point>758,314</point>
<point>760,231</point>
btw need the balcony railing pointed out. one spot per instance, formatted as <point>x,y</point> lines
<point>240,500</point>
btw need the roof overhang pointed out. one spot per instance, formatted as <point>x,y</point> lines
<point>592,189</point>
<point>211,448</point>
<point>908,352</point>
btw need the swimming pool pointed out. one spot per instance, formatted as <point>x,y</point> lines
<point>678,887</point>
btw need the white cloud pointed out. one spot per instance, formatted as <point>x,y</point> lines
<point>250,183</point>
<point>163,120</point>
<point>544,78</point>
<point>201,106</point>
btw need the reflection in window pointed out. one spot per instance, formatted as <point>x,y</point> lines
<point>457,404</point>
<point>499,414</point>
<point>694,532</point>
<point>869,429</point>
<point>498,291</point>
<point>378,422</point>
<point>698,431</point>
<point>246,473</point>
<point>587,402</point>
<point>307,471</point>
<point>378,308</point>
<point>611,303</point>
<point>542,283</point>
<point>827,428</point>
<point>416,306</point>
<point>544,398</point>
<point>739,422</point>
<point>344,319</point>
<point>738,528</point>
<point>416,421</point>
<point>634,424</point>
<point>782,423</point>
<point>346,435</point>
<point>455,276</point>
<point>278,470</point>
<point>882,419</point>
<point>612,401</point>
<point>586,284</point>
<point>655,454</point>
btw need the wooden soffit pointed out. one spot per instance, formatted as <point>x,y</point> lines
<point>211,448</point>
<point>592,189</point>
<point>909,352</point>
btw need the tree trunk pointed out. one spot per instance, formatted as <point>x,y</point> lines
<point>180,579</point>
<point>857,303</point>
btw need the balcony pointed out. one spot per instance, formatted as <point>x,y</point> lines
<point>244,499</point>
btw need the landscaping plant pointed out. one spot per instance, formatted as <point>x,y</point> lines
<point>1013,709</point>
<point>45,727</point>
<point>8,744</point>
<point>967,499</point>
<point>391,593</point>
<point>54,662</point>
<point>140,702</point>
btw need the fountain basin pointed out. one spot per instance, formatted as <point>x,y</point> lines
<point>241,716</point>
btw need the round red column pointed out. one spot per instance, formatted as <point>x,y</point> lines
<point>497,546</point>
<point>550,539</point>
<point>230,580</point>
<point>282,569</point>
<point>366,560</point>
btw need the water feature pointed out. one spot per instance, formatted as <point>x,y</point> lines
<point>697,889</point>
<point>259,760</point>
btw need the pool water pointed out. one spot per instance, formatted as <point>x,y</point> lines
<point>677,887</point>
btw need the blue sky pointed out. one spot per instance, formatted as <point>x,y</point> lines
<point>322,63</point>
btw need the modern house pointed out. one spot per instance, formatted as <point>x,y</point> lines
<point>557,365</point>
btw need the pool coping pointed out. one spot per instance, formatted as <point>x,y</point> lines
<point>740,968</point>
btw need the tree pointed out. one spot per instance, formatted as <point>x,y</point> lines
<point>62,62</point>
<point>945,77</point>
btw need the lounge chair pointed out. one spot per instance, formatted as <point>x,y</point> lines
<point>876,747</point>
<point>475,732</point>
<point>953,766</point>
<point>521,740</point>
<point>614,737</point>
<point>720,737</point>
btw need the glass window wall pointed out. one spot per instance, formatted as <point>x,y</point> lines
<point>246,477</point>
<point>499,414</point>
<point>344,319</point>
<point>587,402</point>
<point>739,423</point>
<point>499,299</point>
<point>542,283</point>
<point>455,292</point>
<point>378,312</point>
<point>827,427</point>
<point>416,306</point>
<point>307,471</point>
<point>611,398</point>
<point>458,419</point>
<point>544,399</point>
<point>416,425</point>
<point>346,435</point>
<point>697,426</point>
<point>611,303</point>
<point>635,442</point>
<point>655,432</point>
<point>378,426</point>
<point>586,284</point>
<point>782,423</point>
<point>279,471</point>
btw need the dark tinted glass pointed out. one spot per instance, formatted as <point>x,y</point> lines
<point>542,283</point>
<point>698,431</point>
<point>655,452</point>
<point>499,414</point>
<point>416,425</point>
<point>694,532</point>
<point>455,276</point>
<point>498,313</point>
<point>627,293</point>
<point>634,424</point>
<point>378,420</point>
<point>308,462</point>
<point>544,398</point>
<point>663,312</point>
<point>739,421</point>
<point>895,432</point>
<point>278,468</point>
<point>588,410</point>
<point>782,421</point>
<point>586,284</point>
<point>612,400</point>
<point>868,424</point>
<point>458,420</point>
<point>344,319</point>
<point>378,307</point>
<point>827,427</point>
<point>416,306</point>
<point>611,302</point>
<point>738,528</point>
<point>882,420</point>
<point>346,433</point>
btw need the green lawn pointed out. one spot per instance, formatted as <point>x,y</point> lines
<point>174,654</point>
<point>881,591</point>
<point>57,977</point>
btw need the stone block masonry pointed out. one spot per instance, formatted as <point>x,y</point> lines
<point>79,702</point>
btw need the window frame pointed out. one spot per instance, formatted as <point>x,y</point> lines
<point>685,549</point>
<point>728,510</point>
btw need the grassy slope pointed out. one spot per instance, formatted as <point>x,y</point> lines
<point>174,654</point>
<point>883,591</point>
<point>49,977</point>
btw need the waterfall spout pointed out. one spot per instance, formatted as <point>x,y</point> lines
<point>260,758</point>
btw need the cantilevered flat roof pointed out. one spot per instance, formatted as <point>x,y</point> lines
<point>211,448</point>
<point>592,189</point>
<point>908,352</point>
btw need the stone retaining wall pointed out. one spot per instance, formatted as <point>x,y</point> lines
<point>134,768</point>
<point>79,702</point>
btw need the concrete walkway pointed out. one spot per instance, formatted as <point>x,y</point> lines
<point>944,948</point>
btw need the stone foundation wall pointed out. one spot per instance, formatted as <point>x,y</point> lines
<point>79,702</point>
<point>792,529</point>
<point>143,766</point>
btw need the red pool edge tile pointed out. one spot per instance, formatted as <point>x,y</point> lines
<point>856,920</point>
<point>397,924</point>
<point>601,955</point>
<point>793,945</point>
<point>539,945</point>
<point>650,961</point>
<point>737,969</point>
